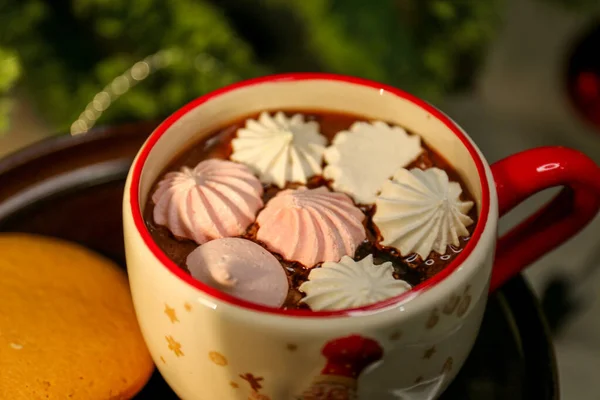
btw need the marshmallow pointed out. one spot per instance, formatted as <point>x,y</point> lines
<point>242,269</point>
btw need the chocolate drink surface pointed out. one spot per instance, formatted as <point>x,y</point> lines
<point>411,268</point>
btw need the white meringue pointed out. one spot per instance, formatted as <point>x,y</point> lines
<point>311,225</point>
<point>280,149</point>
<point>350,284</point>
<point>213,200</point>
<point>420,210</point>
<point>361,159</point>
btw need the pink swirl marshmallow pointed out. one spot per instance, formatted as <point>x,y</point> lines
<point>213,200</point>
<point>311,226</point>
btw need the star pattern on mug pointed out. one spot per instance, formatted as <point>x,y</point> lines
<point>174,346</point>
<point>447,367</point>
<point>433,319</point>
<point>451,305</point>
<point>465,303</point>
<point>187,306</point>
<point>217,358</point>
<point>292,347</point>
<point>254,395</point>
<point>429,353</point>
<point>253,381</point>
<point>170,312</point>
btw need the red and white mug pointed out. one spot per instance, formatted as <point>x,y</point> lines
<point>209,345</point>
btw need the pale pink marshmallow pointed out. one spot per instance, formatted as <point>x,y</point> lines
<point>215,199</point>
<point>242,269</point>
<point>311,226</point>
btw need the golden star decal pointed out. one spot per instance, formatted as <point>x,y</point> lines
<point>447,367</point>
<point>292,347</point>
<point>253,381</point>
<point>234,385</point>
<point>429,353</point>
<point>254,395</point>
<point>451,305</point>
<point>434,318</point>
<point>174,346</point>
<point>171,314</point>
<point>188,307</point>
<point>217,358</point>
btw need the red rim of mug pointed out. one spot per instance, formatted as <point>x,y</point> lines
<point>185,277</point>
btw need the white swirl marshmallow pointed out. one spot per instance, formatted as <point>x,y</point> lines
<point>280,149</point>
<point>420,210</point>
<point>350,284</point>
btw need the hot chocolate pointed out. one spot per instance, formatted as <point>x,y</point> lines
<point>352,211</point>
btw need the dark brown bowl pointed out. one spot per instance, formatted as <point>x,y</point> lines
<point>72,187</point>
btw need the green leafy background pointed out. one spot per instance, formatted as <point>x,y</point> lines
<point>69,50</point>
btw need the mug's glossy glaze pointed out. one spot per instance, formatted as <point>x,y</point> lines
<point>209,345</point>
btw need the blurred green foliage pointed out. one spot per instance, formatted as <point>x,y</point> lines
<point>71,49</point>
<point>9,72</point>
<point>427,47</point>
<point>577,5</point>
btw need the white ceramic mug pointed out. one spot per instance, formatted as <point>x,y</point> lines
<point>210,346</point>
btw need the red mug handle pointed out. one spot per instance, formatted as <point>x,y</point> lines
<point>519,176</point>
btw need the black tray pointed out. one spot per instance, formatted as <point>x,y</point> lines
<point>50,187</point>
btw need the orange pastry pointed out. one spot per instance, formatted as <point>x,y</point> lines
<point>67,324</point>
